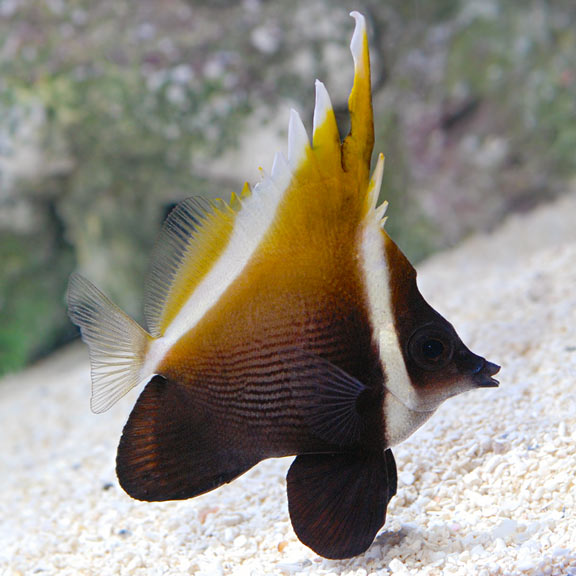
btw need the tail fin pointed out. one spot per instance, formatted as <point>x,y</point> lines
<point>117,343</point>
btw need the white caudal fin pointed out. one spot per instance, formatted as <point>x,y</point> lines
<point>117,343</point>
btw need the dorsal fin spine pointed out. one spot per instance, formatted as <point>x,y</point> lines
<point>380,213</point>
<point>298,142</point>
<point>325,132</point>
<point>376,183</point>
<point>235,202</point>
<point>326,137</point>
<point>246,191</point>
<point>358,145</point>
<point>193,237</point>
<point>281,172</point>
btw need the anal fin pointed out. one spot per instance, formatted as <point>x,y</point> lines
<point>173,448</point>
<point>338,502</point>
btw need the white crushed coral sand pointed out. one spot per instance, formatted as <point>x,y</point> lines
<point>487,487</point>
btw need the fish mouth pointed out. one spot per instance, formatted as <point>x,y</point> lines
<point>484,376</point>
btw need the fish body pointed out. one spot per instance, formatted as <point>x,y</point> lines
<point>285,322</point>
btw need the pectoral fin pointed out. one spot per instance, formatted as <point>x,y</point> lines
<point>333,412</point>
<point>338,502</point>
<point>173,448</point>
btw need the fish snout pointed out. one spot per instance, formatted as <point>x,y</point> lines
<point>477,369</point>
<point>484,376</point>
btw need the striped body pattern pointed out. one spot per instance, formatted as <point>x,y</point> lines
<point>285,322</point>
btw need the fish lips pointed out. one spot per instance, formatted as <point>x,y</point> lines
<point>483,376</point>
<point>477,369</point>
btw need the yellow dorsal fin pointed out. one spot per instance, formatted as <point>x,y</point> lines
<point>312,204</point>
<point>314,189</point>
<point>326,138</point>
<point>358,145</point>
<point>331,175</point>
<point>193,237</point>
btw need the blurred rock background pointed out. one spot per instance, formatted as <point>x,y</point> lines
<point>112,111</point>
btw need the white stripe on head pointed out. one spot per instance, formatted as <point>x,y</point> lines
<point>377,284</point>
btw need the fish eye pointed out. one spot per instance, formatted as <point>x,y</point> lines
<point>431,348</point>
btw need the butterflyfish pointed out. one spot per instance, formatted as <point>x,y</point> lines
<point>285,322</point>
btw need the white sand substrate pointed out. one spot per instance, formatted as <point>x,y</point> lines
<point>486,487</point>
